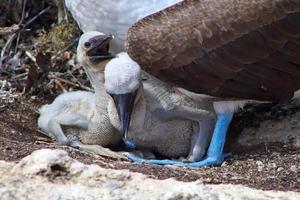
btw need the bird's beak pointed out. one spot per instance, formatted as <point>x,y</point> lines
<point>99,49</point>
<point>124,104</point>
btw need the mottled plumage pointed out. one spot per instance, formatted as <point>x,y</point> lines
<point>88,113</point>
<point>234,48</point>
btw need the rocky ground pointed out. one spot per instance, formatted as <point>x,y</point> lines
<point>52,174</point>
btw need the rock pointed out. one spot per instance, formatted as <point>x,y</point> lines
<point>52,174</point>
<point>268,123</point>
<point>260,165</point>
<point>280,169</point>
<point>293,168</point>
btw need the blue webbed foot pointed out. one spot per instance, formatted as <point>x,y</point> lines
<point>130,144</point>
<point>208,161</point>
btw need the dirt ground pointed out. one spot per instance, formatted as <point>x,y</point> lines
<point>269,167</point>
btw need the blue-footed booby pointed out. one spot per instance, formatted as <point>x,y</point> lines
<point>236,50</point>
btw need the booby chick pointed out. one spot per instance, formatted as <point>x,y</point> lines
<point>80,119</point>
<point>155,116</point>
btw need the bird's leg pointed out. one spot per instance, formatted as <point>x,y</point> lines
<point>215,155</point>
<point>58,134</point>
<point>67,120</point>
<point>97,149</point>
<point>200,140</point>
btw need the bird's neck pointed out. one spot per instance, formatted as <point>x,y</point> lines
<point>99,67</point>
<point>95,76</point>
<point>96,79</point>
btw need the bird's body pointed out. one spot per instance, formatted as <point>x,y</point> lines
<point>80,114</point>
<point>148,131</point>
<point>113,16</point>
<point>80,119</point>
<point>153,123</point>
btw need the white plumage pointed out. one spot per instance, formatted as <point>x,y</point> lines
<point>122,75</point>
<point>113,16</point>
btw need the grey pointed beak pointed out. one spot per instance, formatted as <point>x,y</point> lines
<point>99,47</point>
<point>124,104</point>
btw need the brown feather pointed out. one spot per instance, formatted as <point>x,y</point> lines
<point>234,48</point>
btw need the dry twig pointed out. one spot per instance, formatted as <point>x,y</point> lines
<point>7,46</point>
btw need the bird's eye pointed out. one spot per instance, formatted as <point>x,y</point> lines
<point>87,44</point>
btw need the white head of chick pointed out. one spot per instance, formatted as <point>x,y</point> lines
<point>123,84</point>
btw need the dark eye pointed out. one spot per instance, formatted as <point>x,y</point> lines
<point>87,44</point>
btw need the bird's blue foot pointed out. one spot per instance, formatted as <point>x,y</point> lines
<point>130,144</point>
<point>208,161</point>
<point>215,155</point>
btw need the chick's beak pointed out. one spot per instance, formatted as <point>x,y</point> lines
<point>99,47</point>
<point>124,104</point>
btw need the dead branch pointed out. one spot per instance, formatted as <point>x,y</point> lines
<point>7,46</point>
<point>53,76</point>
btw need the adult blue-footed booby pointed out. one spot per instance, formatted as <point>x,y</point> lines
<point>234,49</point>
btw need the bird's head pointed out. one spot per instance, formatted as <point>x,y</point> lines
<point>93,49</point>
<point>123,83</point>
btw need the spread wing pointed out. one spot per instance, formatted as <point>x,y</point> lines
<point>113,16</point>
<point>234,48</point>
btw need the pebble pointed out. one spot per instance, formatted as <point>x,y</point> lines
<point>260,165</point>
<point>293,168</point>
<point>224,164</point>
<point>279,169</point>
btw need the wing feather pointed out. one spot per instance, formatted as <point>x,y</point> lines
<point>233,48</point>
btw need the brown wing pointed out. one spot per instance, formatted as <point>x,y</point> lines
<point>235,48</point>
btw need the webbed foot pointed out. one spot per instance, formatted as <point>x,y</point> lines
<point>207,161</point>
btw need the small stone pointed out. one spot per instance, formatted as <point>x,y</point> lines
<point>224,164</point>
<point>260,165</point>
<point>293,168</point>
<point>273,165</point>
<point>280,169</point>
